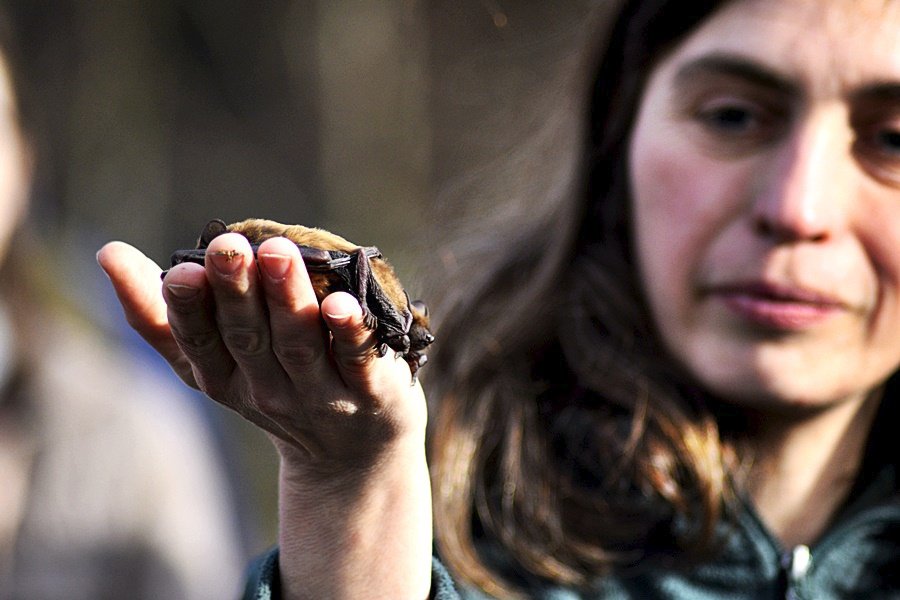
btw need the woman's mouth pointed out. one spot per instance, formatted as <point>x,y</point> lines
<point>778,307</point>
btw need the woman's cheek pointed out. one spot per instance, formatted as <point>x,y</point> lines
<point>667,194</point>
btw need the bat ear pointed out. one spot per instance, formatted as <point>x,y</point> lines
<point>212,230</point>
<point>420,306</point>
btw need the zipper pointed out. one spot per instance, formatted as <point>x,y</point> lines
<point>795,565</point>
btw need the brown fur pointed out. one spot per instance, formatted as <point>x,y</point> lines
<point>398,323</point>
<point>259,230</point>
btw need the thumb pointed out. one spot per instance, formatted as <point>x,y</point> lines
<point>354,346</point>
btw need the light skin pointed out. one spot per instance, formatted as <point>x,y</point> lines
<point>354,490</point>
<point>767,241</point>
<point>16,163</point>
<point>766,187</point>
<point>15,179</point>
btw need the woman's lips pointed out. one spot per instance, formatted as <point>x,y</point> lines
<point>778,307</point>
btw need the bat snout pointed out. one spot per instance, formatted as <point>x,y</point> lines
<point>421,340</point>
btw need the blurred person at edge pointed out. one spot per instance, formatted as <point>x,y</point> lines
<point>678,379</point>
<point>109,484</point>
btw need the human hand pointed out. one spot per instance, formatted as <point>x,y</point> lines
<point>347,423</point>
<point>255,340</point>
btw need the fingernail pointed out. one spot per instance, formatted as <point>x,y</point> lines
<point>275,266</point>
<point>338,318</point>
<point>341,307</point>
<point>181,291</point>
<point>226,262</point>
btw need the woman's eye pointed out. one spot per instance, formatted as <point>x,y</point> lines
<point>729,119</point>
<point>888,140</point>
<point>877,146</point>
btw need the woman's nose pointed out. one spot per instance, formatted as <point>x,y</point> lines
<point>809,187</point>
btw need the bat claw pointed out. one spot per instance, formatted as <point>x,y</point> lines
<point>415,363</point>
<point>369,319</point>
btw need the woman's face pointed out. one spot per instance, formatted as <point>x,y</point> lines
<point>765,176</point>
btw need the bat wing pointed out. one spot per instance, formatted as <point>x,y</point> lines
<point>349,271</point>
<point>315,259</point>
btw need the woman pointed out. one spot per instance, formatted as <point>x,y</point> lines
<point>698,407</point>
<point>109,486</point>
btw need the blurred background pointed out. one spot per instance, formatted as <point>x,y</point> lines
<point>371,118</point>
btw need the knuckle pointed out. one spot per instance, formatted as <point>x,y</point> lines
<point>197,344</point>
<point>299,356</point>
<point>245,342</point>
<point>213,386</point>
<point>268,405</point>
<point>360,359</point>
<point>231,288</point>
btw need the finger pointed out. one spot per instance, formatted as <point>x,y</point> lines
<point>383,380</point>
<point>190,310</point>
<point>299,337</point>
<point>135,279</point>
<point>354,346</point>
<point>241,313</point>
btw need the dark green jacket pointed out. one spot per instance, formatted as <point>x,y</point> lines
<point>858,557</point>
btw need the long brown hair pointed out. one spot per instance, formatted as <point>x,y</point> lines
<point>565,443</point>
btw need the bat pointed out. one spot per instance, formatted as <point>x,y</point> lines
<point>335,264</point>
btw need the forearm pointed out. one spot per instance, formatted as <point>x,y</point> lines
<point>365,538</point>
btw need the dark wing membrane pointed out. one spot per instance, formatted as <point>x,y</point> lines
<point>194,255</point>
<point>316,259</point>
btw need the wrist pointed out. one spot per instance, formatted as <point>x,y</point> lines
<point>365,532</point>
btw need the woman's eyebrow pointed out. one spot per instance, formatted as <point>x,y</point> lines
<point>731,65</point>
<point>881,91</point>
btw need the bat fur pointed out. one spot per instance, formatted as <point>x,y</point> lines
<point>335,264</point>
